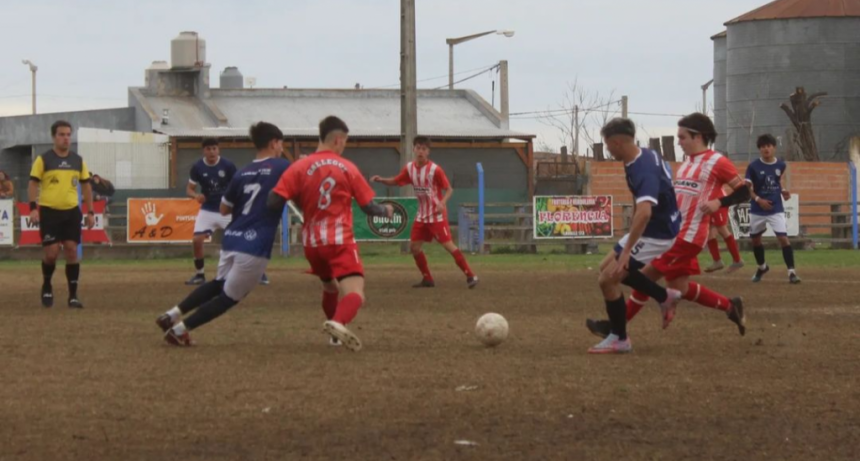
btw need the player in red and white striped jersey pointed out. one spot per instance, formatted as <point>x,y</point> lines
<point>433,192</point>
<point>323,185</point>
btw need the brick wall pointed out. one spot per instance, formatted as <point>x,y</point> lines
<point>814,182</point>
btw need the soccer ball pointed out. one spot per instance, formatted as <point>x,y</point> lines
<point>491,329</point>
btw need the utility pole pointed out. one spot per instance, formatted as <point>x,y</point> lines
<point>575,131</point>
<point>408,81</point>
<point>624,106</point>
<point>503,95</point>
<point>705,96</point>
<point>33,69</point>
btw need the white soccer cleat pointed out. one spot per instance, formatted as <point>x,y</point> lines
<point>667,308</point>
<point>342,333</point>
<point>612,345</point>
<point>332,341</point>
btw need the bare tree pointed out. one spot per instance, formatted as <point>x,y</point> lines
<point>800,114</point>
<point>578,117</point>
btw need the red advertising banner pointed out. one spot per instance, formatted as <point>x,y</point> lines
<point>30,230</point>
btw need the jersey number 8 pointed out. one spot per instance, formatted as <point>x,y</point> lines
<point>326,188</point>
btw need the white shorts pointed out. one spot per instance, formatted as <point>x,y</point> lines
<point>240,272</point>
<point>647,249</point>
<point>759,223</point>
<point>208,221</point>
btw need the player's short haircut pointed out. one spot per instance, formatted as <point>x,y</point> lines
<point>59,124</point>
<point>618,126</point>
<point>331,125</point>
<point>766,139</point>
<point>421,141</point>
<point>262,133</point>
<point>210,142</point>
<point>700,124</point>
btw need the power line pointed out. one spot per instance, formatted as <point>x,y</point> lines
<point>646,114</point>
<point>471,76</point>
<point>568,111</point>
<point>437,77</point>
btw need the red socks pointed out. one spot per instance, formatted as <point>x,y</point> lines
<point>329,304</point>
<point>461,263</point>
<point>635,304</point>
<point>733,248</point>
<point>421,262</point>
<point>701,295</point>
<point>348,308</point>
<point>714,248</point>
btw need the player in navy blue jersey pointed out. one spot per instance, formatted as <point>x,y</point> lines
<point>655,225</point>
<point>212,174</point>
<point>247,244</point>
<point>764,177</point>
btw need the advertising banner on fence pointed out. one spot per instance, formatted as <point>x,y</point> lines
<point>30,230</point>
<point>375,229</point>
<point>573,217</point>
<point>161,220</point>
<point>7,229</point>
<point>740,217</point>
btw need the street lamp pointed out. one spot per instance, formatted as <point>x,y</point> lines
<point>454,41</point>
<point>705,96</point>
<point>33,69</point>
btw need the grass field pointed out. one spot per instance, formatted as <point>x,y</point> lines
<point>262,382</point>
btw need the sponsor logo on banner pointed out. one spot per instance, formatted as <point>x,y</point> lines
<point>7,231</point>
<point>581,216</point>
<point>740,218</point>
<point>161,220</point>
<point>397,228</point>
<point>30,230</point>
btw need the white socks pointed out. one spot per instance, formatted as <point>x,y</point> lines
<point>174,313</point>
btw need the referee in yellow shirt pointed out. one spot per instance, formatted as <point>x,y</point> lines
<point>54,179</point>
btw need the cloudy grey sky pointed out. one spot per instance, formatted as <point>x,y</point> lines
<point>657,52</point>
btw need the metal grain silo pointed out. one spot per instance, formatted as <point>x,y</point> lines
<point>720,121</point>
<point>786,44</point>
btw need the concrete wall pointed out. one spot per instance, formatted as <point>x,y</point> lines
<point>766,60</point>
<point>720,93</point>
<point>36,129</point>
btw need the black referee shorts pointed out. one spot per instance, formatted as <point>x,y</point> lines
<point>56,226</point>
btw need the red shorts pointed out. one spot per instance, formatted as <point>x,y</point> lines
<point>426,232</point>
<point>720,218</point>
<point>334,261</point>
<point>681,260</point>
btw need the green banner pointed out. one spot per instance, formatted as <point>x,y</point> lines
<point>396,229</point>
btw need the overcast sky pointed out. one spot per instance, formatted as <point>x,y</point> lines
<point>658,52</point>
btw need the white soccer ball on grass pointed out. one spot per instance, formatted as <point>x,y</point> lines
<point>492,329</point>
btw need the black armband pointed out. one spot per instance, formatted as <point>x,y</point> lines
<point>34,206</point>
<point>374,209</point>
<point>738,196</point>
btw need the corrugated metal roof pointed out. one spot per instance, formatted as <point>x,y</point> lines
<point>369,113</point>
<point>795,9</point>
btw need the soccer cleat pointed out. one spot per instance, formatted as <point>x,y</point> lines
<point>333,341</point>
<point>164,322</point>
<point>736,315</point>
<point>735,267</point>
<point>342,333</point>
<point>264,280</point>
<point>793,278</point>
<point>198,279</point>
<point>75,303</point>
<point>47,297</point>
<point>715,266</point>
<point>599,328</point>
<point>759,273</point>
<point>425,283</point>
<point>183,340</point>
<point>472,282</point>
<point>667,307</point>
<point>612,345</point>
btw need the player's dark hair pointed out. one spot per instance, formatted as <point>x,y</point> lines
<point>262,133</point>
<point>59,124</point>
<point>618,126</point>
<point>421,141</point>
<point>210,142</point>
<point>331,124</point>
<point>766,139</point>
<point>701,125</point>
